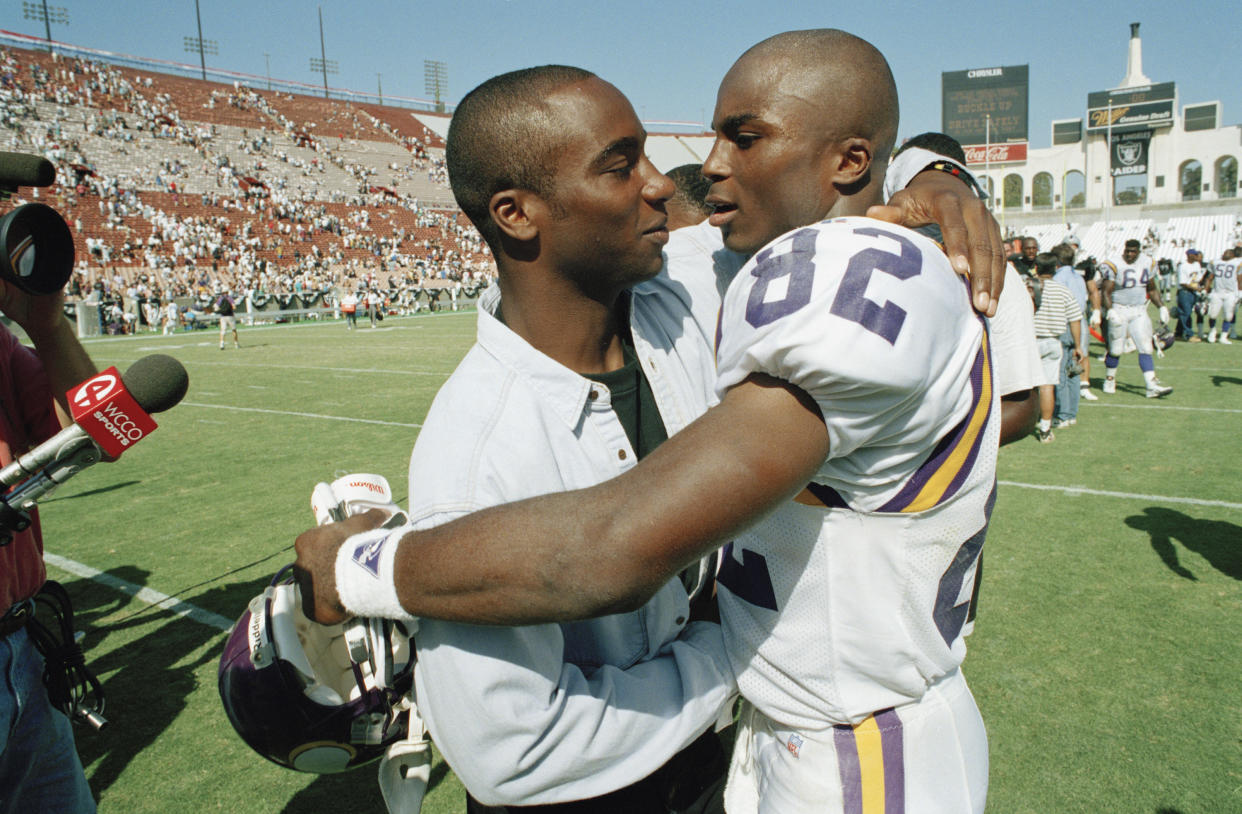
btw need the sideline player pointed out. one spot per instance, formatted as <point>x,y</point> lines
<point>226,310</point>
<point>1223,301</point>
<point>844,610</point>
<point>1128,282</point>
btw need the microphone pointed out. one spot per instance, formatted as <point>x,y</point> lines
<point>112,413</point>
<point>24,170</point>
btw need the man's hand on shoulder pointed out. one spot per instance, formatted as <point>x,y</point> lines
<point>315,566</point>
<point>972,238</point>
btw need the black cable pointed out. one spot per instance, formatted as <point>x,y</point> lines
<point>71,686</point>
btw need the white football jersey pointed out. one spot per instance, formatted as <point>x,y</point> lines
<point>1129,279</point>
<point>854,598</point>
<point>1225,276</point>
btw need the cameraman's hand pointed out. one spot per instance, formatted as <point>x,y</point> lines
<point>37,314</point>
<point>315,566</point>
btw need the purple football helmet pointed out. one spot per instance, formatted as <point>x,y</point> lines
<point>1163,337</point>
<point>311,697</point>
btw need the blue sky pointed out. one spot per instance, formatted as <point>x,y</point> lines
<point>669,56</point>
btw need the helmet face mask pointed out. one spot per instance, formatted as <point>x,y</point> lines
<point>311,697</point>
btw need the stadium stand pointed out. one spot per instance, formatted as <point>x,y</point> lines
<point>177,189</point>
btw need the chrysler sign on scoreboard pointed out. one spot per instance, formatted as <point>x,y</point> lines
<point>987,106</point>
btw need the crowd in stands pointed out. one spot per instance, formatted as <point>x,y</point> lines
<point>259,194</point>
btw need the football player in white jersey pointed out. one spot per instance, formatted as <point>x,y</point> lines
<point>858,425</point>
<point>1223,301</point>
<point>1128,281</point>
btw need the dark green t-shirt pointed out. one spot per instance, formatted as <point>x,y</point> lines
<point>633,402</point>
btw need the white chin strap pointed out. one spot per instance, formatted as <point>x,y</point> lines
<point>405,769</point>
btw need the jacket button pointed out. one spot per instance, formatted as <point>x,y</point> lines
<point>621,454</point>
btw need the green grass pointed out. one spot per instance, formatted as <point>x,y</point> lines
<point>1105,657</point>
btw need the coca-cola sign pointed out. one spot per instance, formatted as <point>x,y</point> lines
<point>995,153</point>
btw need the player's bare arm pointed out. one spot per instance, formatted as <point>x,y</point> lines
<point>972,238</point>
<point>1153,293</point>
<point>1080,348</point>
<point>1019,412</point>
<point>608,548</point>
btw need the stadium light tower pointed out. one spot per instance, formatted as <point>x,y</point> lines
<point>435,81</point>
<point>200,46</point>
<point>40,12</point>
<point>323,65</point>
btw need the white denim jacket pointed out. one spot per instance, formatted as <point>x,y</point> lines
<point>550,713</point>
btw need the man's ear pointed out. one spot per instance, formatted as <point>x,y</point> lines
<point>853,169</point>
<point>516,213</point>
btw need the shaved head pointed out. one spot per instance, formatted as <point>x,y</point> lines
<point>845,77</point>
<point>805,123</point>
<point>505,135</point>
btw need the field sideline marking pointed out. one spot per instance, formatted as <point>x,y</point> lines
<point>302,415</point>
<point>1082,490</point>
<point>185,609</point>
<point>141,593</point>
<point>441,374</point>
<point>1163,406</point>
<point>209,335</point>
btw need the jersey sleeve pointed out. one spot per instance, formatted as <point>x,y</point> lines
<point>848,311</point>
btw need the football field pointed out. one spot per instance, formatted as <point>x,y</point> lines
<point>1105,657</point>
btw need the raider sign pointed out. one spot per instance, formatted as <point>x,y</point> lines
<point>1128,152</point>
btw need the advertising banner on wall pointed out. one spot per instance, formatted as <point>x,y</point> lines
<point>995,153</point>
<point>1128,153</point>
<point>1148,107</point>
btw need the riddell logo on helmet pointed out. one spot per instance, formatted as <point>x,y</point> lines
<point>95,390</point>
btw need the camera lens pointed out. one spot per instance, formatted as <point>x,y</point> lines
<point>36,249</point>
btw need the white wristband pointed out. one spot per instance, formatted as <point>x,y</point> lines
<point>365,580</point>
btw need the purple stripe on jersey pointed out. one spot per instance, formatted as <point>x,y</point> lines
<point>892,747</point>
<point>851,771</point>
<point>976,382</point>
<point>947,446</point>
<point>828,496</point>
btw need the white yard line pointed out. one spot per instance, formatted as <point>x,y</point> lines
<point>300,415</point>
<point>1082,490</point>
<point>1161,405</point>
<point>142,594</point>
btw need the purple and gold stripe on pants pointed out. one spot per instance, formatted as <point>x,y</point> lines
<point>871,761</point>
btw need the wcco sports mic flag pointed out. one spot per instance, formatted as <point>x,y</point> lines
<point>108,413</point>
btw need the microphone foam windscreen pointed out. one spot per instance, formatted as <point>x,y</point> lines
<point>156,382</point>
<point>21,169</point>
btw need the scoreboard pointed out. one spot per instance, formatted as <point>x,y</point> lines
<point>970,98</point>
